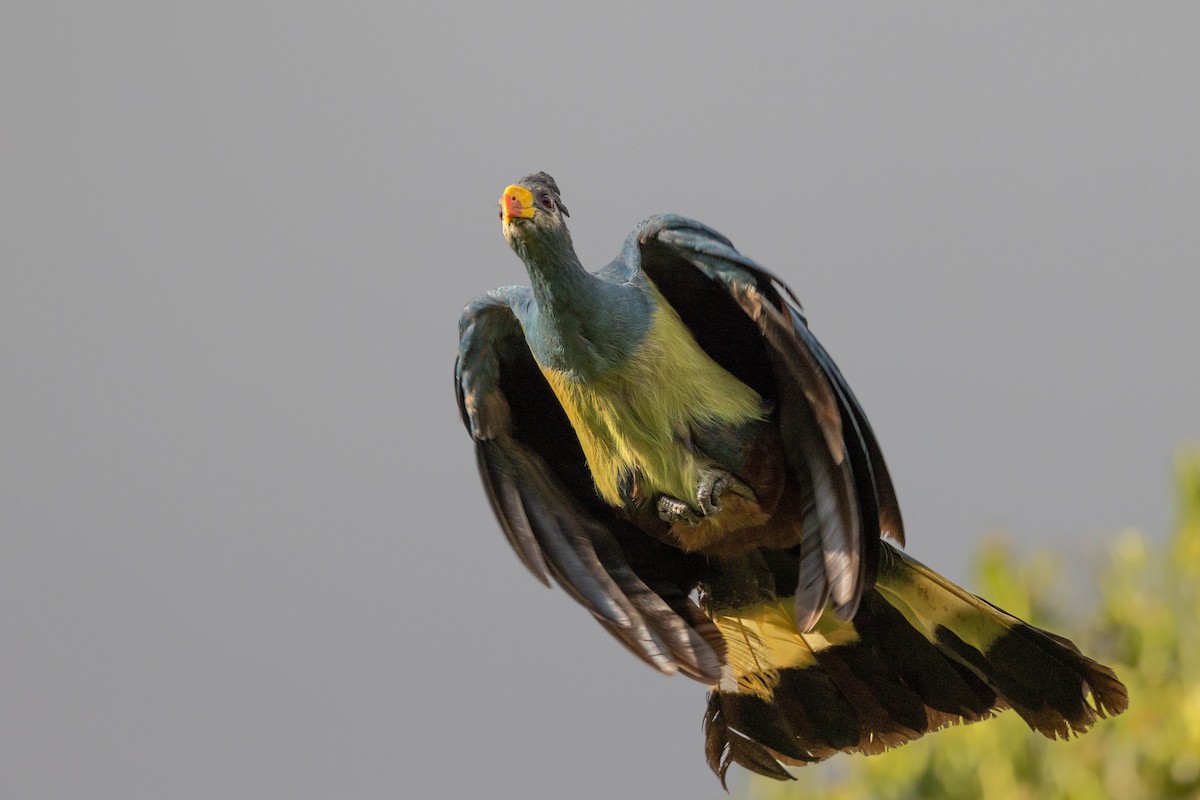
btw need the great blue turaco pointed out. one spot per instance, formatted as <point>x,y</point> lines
<point>667,439</point>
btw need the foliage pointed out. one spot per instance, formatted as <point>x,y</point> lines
<point>1146,626</point>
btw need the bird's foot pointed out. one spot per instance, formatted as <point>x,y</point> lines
<point>673,510</point>
<point>713,484</point>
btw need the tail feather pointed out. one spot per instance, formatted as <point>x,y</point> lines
<point>764,722</point>
<point>725,746</point>
<point>1052,697</point>
<point>920,654</point>
<point>889,712</point>
<point>819,713</point>
<point>947,688</point>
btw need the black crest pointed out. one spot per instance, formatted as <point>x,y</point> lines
<point>543,180</point>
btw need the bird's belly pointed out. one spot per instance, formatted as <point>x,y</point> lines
<point>635,455</point>
<point>627,437</point>
<point>635,421</point>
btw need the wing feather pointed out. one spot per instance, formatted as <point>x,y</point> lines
<point>846,492</point>
<point>890,522</point>
<point>537,483</point>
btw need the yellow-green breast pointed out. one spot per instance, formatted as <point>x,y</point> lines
<point>638,416</point>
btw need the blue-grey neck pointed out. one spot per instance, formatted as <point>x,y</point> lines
<point>582,324</point>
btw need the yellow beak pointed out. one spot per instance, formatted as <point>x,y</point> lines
<point>517,201</point>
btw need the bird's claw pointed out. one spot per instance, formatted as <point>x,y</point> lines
<point>708,499</point>
<point>672,510</point>
<point>713,486</point>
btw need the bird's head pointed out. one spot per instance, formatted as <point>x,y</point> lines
<point>533,215</point>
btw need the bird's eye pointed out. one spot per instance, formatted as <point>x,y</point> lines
<point>547,202</point>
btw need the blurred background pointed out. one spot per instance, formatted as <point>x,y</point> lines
<point>243,548</point>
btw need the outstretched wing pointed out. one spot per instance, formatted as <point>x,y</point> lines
<point>748,321</point>
<point>537,480</point>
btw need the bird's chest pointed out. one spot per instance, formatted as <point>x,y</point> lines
<point>636,419</point>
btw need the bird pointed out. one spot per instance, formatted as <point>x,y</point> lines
<point>668,441</point>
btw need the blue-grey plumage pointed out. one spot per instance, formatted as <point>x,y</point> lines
<point>577,322</point>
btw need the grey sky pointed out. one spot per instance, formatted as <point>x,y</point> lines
<point>243,548</point>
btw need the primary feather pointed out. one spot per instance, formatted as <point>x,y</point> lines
<point>669,427</point>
